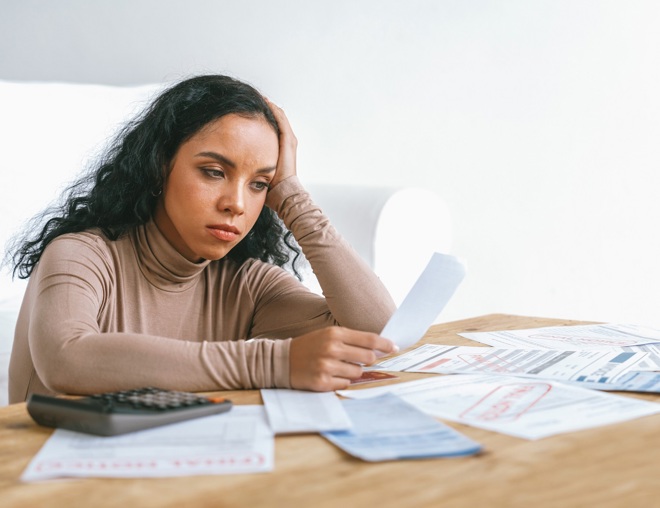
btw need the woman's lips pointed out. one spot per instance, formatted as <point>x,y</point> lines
<point>224,232</point>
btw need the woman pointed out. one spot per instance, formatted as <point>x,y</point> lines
<point>165,269</point>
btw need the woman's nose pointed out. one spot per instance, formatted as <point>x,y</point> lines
<point>232,199</point>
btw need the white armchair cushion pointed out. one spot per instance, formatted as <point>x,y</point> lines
<point>395,230</point>
<point>49,131</point>
<point>7,324</point>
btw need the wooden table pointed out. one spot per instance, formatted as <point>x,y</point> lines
<point>611,466</point>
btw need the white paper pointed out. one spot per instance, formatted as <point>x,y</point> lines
<point>613,337</point>
<point>590,365</point>
<point>238,441</point>
<point>519,407</point>
<point>295,411</point>
<point>428,296</point>
<point>410,359</point>
<point>569,337</point>
<point>388,428</point>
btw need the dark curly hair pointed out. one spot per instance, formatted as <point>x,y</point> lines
<point>122,189</point>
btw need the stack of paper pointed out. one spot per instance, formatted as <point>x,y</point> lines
<point>238,441</point>
<point>593,366</point>
<point>633,341</point>
<point>526,408</point>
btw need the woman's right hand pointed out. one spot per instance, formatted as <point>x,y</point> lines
<point>329,358</point>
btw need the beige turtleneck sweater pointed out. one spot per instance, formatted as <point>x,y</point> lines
<point>101,315</point>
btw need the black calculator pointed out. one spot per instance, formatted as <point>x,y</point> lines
<point>113,413</point>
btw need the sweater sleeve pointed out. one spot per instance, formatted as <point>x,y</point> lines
<point>355,297</point>
<point>72,352</point>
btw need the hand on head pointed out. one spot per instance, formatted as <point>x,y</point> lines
<point>286,163</point>
<point>328,359</point>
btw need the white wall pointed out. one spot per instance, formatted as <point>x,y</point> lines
<point>538,121</point>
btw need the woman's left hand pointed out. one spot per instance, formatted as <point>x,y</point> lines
<point>286,162</point>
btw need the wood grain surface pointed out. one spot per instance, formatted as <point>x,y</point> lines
<point>610,466</point>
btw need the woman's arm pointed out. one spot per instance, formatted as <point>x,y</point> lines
<point>355,295</point>
<point>327,359</point>
<point>82,338</point>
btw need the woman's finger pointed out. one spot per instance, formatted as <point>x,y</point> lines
<point>347,370</point>
<point>286,163</point>
<point>371,341</point>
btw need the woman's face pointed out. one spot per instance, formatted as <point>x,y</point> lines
<point>217,186</point>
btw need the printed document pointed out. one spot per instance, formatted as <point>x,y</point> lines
<point>428,296</point>
<point>589,365</point>
<point>238,441</point>
<point>525,408</point>
<point>294,411</point>
<point>612,337</point>
<point>645,382</point>
<point>569,337</point>
<point>388,428</point>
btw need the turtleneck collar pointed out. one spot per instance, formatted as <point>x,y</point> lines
<point>161,263</point>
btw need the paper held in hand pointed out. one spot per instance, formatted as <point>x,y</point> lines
<point>425,301</point>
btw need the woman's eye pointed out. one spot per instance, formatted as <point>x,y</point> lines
<point>260,186</point>
<point>214,173</point>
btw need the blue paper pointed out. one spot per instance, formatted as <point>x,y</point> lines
<point>636,381</point>
<point>388,428</point>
